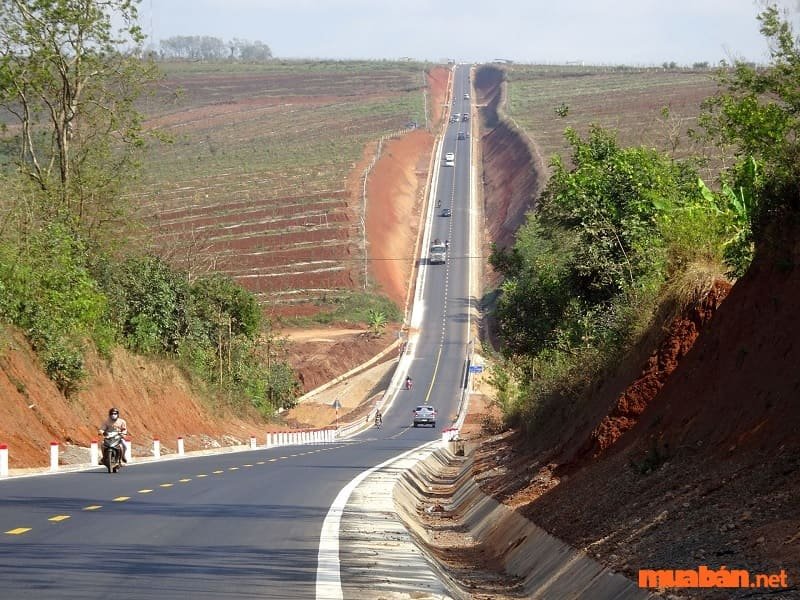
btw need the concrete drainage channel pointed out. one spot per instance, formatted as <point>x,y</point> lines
<point>499,554</point>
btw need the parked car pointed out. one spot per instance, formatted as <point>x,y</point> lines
<point>424,415</point>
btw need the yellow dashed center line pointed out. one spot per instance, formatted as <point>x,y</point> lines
<point>18,531</point>
<point>261,462</point>
<point>273,459</point>
<point>233,468</point>
<point>201,475</point>
<point>166,485</point>
<point>145,491</point>
<point>186,480</point>
<point>247,465</point>
<point>121,498</point>
<point>218,472</point>
<point>58,518</point>
<point>92,507</point>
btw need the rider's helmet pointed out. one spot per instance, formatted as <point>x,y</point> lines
<point>113,413</point>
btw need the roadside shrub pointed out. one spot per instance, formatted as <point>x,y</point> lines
<point>48,291</point>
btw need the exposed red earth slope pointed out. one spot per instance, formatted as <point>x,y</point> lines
<point>690,455</point>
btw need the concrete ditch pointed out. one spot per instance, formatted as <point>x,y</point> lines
<point>489,550</point>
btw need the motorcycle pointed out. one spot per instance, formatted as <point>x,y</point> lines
<point>113,450</point>
<point>409,383</point>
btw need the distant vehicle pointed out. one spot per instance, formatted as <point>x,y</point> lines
<point>450,156</point>
<point>462,135</point>
<point>446,212</point>
<point>425,415</point>
<point>466,96</point>
<point>438,253</point>
<point>457,116</point>
<point>449,163</point>
<point>465,117</point>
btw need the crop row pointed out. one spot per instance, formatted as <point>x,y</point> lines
<point>256,172</point>
<point>629,101</point>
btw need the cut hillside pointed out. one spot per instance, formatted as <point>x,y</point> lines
<point>689,454</point>
<point>155,398</point>
<point>708,471</point>
<point>512,166</point>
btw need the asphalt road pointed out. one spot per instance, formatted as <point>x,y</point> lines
<point>243,525</point>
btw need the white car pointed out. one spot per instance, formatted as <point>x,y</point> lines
<point>424,415</point>
<point>450,156</point>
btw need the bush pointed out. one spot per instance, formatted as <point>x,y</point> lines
<point>48,291</point>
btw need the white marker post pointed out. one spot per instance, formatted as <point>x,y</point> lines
<point>94,457</point>
<point>252,442</point>
<point>157,448</point>
<point>3,461</point>
<point>54,456</point>
<point>180,446</point>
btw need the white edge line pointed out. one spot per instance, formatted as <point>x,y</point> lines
<point>329,582</point>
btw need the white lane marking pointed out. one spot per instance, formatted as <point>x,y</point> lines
<point>329,582</point>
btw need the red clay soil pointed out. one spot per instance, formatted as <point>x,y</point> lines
<point>680,337</point>
<point>709,473</point>
<point>395,196</point>
<point>395,193</point>
<point>319,360</point>
<point>154,397</point>
<point>513,170</point>
<point>439,88</point>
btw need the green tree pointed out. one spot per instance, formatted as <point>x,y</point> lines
<point>69,78</point>
<point>377,322</point>
<point>757,112</point>
<point>47,290</point>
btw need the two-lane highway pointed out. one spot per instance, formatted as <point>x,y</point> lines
<point>242,525</point>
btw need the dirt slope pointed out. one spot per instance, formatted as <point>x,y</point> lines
<point>690,456</point>
<point>154,397</point>
<point>513,170</point>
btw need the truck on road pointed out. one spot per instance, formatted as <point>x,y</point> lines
<point>438,253</point>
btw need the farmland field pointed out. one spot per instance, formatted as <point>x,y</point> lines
<point>259,181</point>
<point>627,100</point>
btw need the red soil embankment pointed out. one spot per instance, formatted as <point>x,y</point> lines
<point>395,193</point>
<point>709,473</point>
<point>395,196</point>
<point>153,396</point>
<point>513,171</point>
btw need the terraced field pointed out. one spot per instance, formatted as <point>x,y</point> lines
<point>259,179</point>
<point>626,99</point>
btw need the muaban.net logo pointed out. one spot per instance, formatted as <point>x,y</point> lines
<point>703,577</point>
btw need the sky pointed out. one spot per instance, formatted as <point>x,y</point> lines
<point>606,32</point>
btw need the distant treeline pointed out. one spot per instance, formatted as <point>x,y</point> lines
<point>204,47</point>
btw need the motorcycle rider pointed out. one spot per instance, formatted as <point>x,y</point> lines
<point>378,418</point>
<point>115,423</point>
<point>409,382</point>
